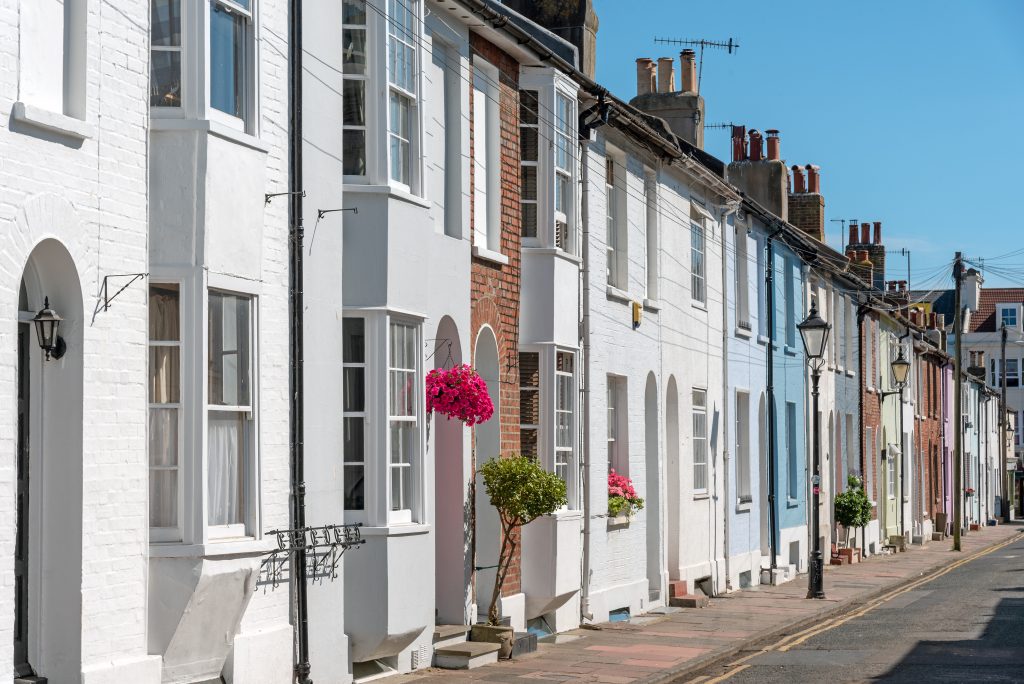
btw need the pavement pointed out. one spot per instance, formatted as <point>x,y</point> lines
<point>693,645</point>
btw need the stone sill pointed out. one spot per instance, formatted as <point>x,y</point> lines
<point>485,254</point>
<point>615,293</point>
<point>214,128</point>
<point>52,122</point>
<point>228,547</point>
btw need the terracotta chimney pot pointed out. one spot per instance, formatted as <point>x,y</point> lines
<point>853,231</point>
<point>799,184</point>
<point>739,143</point>
<point>773,143</point>
<point>688,71</point>
<point>878,232</point>
<point>813,179</point>
<point>666,75</point>
<point>756,150</point>
<point>645,80</point>
<point>865,233</point>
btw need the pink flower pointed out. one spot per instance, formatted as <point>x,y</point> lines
<point>460,393</point>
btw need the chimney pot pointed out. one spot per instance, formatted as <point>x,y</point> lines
<point>851,254</point>
<point>773,143</point>
<point>756,151</point>
<point>914,316</point>
<point>813,179</point>
<point>688,71</point>
<point>645,76</point>
<point>940,321</point>
<point>853,231</point>
<point>862,256</point>
<point>666,75</point>
<point>739,143</point>
<point>931,320</point>
<point>878,232</point>
<point>799,184</point>
<point>865,233</point>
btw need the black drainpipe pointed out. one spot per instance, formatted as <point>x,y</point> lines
<point>772,451</point>
<point>862,362</point>
<point>298,483</point>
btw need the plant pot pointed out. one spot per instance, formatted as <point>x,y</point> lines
<point>502,635</point>
<point>620,520</point>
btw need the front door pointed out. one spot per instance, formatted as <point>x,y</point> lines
<point>892,488</point>
<point>21,666</point>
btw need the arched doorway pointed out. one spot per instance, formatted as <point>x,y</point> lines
<point>487,532</point>
<point>453,562</point>
<point>652,498</point>
<point>674,510</point>
<point>762,459</point>
<point>48,548</point>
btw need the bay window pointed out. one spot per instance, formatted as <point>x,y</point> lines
<point>403,419</point>
<point>549,160</point>
<point>230,439</point>
<point>230,56</point>
<point>565,424</point>
<point>402,71</point>
<point>354,71</point>
<point>165,53</point>
<point>164,412</point>
<point>354,411</point>
<point>529,403</point>
<point>547,407</point>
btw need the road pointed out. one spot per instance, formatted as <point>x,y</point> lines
<point>966,625</point>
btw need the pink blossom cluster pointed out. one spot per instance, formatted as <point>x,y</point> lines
<point>620,485</point>
<point>459,392</point>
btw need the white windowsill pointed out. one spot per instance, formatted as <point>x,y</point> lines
<point>850,373</point>
<point>398,530</point>
<point>743,332</point>
<point>228,547</point>
<point>488,255</point>
<point>613,292</point>
<point>53,122</point>
<point>215,128</point>
<point>555,252</point>
<point>701,495</point>
<point>743,506</point>
<point>652,305</point>
<point>762,339</point>
<point>391,191</point>
<point>700,306</point>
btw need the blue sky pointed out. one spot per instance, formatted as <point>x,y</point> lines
<point>912,108</point>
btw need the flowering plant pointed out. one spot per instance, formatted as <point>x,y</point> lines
<point>969,491</point>
<point>622,498</point>
<point>459,392</point>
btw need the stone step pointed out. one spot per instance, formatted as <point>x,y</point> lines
<point>467,655</point>
<point>676,588</point>
<point>30,679</point>
<point>689,601</point>
<point>450,635</point>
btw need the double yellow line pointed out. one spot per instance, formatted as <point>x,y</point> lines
<point>792,640</point>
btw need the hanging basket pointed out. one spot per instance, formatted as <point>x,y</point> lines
<point>460,393</point>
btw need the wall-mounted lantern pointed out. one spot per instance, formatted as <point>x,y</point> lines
<point>47,323</point>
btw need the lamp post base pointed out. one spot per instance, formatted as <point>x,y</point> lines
<point>816,580</point>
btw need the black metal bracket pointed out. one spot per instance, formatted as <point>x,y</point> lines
<point>107,298</point>
<point>324,546</point>
<point>321,212</point>
<point>271,195</point>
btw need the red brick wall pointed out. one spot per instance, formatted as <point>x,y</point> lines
<point>929,428</point>
<point>495,288</point>
<point>871,407</point>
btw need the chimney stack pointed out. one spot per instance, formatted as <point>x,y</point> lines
<point>688,71</point>
<point>773,144</point>
<point>756,150</point>
<point>799,184</point>
<point>739,143</point>
<point>666,75</point>
<point>645,79</point>
<point>878,232</point>
<point>813,179</point>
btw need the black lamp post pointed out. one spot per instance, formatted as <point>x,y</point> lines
<point>814,333</point>
<point>47,323</point>
<point>900,369</point>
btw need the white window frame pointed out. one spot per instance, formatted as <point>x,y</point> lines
<point>247,121</point>
<point>357,514</point>
<point>251,502</point>
<point>564,135</point>
<point>617,411</point>
<point>1003,309</point>
<point>172,110</point>
<point>551,85</point>
<point>652,233</point>
<point>486,93</point>
<point>366,79</point>
<point>741,276</point>
<point>537,391</point>
<point>699,436</point>
<point>409,38</point>
<point>411,512</point>
<point>742,455</point>
<point>698,261</point>
<point>565,457</point>
<point>616,235</point>
<point>175,532</point>
<point>530,232</point>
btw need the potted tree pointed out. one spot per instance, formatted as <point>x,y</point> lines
<point>521,491</point>
<point>853,509</point>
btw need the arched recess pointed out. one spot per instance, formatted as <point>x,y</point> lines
<point>453,570</point>
<point>762,459</point>
<point>674,510</point>
<point>487,533</point>
<point>652,494</point>
<point>48,555</point>
<point>836,477</point>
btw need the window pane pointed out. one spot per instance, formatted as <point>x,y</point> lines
<point>227,60</point>
<point>163,498</point>
<point>164,375</point>
<point>529,182</point>
<point>226,458</point>
<point>165,79</point>
<point>403,450</point>
<point>354,440</point>
<point>354,331</point>
<point>528,143</point>
<point>354,12</point>
<point>163,436</point>
<point>528,107</point>
<point>354,496</point>
<point>354,109</point>
<point>228,366</point>
<point>528,442</point>
<point>354,153</point>
<point>399,139</point>
<point>165,22</point>
<point>164,313</point>
<point>354,390</point>
<point>354,51</point>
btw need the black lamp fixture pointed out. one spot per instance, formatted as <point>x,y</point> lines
<point>814,333</point>
<point>47,323</point>
<point>900,369</point>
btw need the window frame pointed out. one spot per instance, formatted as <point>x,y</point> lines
<point>700,444</point>
<point>741,279</point>
<point>571,464</point>
<point>616,417</point>
<point>792,460</point>
<point>366,79</point>
<point>248,528</point>
<point>356,514</point>
<point>395,90</point>
<point>525,124</point>
<point>698,258</point>
<point>171,111</point>
<point>174,533</point>
<point>616,235</point>
<point>744,486</point>
<point>486,190</point>
<point>247,121</point>
<point>413,513</point>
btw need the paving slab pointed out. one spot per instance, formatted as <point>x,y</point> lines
<point>666,647</point>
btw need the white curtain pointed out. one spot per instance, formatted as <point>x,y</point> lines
<point>224,468</point>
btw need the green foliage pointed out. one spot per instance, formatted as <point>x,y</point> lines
<point>853,508</point>
<point>521,490</point>
<point>620,505</point>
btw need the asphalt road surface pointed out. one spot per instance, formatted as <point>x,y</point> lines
<point>966,625</point>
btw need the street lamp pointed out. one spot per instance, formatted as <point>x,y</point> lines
<point>900,367</point>
<point>814,334</point>
<point>47,322</point>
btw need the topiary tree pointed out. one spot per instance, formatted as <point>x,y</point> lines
<point>521,491</point>
<point>853,508</point>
